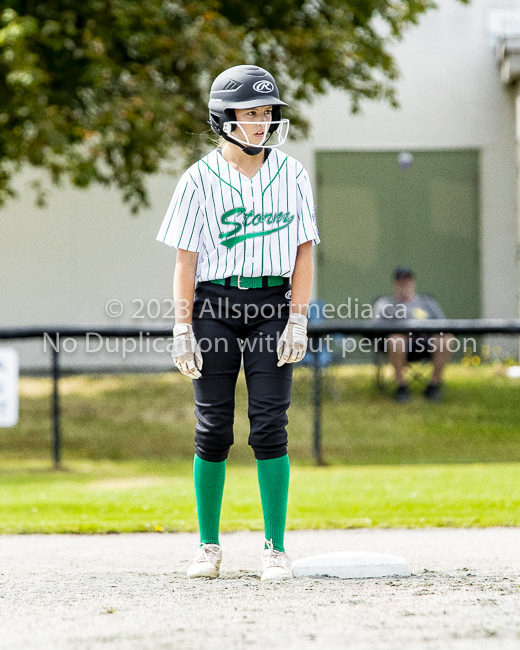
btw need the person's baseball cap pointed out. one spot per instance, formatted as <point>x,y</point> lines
<point>402,272</point>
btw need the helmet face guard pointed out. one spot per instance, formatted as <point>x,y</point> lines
<point>243,87</point>
<point>274,136</point>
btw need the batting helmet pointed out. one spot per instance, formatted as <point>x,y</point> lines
<point>244,86</point>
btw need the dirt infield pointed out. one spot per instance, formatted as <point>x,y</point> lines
<point>130,591</point>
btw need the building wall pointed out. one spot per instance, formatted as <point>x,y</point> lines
<point>63,264</point>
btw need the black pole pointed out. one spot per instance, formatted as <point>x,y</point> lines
<point>56,442</point>
<point>316,393</point>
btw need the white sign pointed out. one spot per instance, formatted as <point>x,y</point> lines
<point>8,387</point>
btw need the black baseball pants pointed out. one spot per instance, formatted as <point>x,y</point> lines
<point>231,325</point>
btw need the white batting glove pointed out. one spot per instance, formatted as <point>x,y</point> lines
<point>186,353</point>
<point>292,345</point>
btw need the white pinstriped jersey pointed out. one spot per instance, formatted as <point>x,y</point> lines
<point>238,225</point>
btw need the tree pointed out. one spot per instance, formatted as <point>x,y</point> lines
<point>104,91</point>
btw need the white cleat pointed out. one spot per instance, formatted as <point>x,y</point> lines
<point>206,563</point>
<point>275,564</point>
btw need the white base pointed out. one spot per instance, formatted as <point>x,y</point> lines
<point>353,564</point>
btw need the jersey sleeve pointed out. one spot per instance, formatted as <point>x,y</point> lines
<point>183,221</point>
<point>379,308</point>
<point>435,308</point>
<point>307,226</point>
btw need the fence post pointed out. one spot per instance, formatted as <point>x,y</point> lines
<point>316,394</point>
<point>55,410</point>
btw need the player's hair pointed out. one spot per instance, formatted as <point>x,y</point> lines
<point>217,141</point>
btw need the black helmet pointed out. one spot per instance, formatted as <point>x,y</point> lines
<point>243,86</point>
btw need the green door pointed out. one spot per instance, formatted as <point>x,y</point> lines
<point>378,210</point>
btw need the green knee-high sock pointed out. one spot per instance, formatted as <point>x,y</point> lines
<point>209,485</point>
<point>273,477</point>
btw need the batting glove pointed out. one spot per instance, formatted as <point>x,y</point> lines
<point>292,345</point>
<point>186,353</point>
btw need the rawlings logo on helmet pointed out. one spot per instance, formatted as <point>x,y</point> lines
<point>263,87</point>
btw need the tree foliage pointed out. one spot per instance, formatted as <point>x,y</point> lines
<point>103,91</point>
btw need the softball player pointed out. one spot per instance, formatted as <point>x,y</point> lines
<point>242,219</point>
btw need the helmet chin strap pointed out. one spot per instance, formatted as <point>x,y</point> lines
<point>250,151</point>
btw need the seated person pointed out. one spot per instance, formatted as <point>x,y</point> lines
<point>406,304</point>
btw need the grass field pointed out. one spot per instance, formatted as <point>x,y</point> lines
<point>150,417</point>
<point>99,497</point>
<point>128,447</point>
